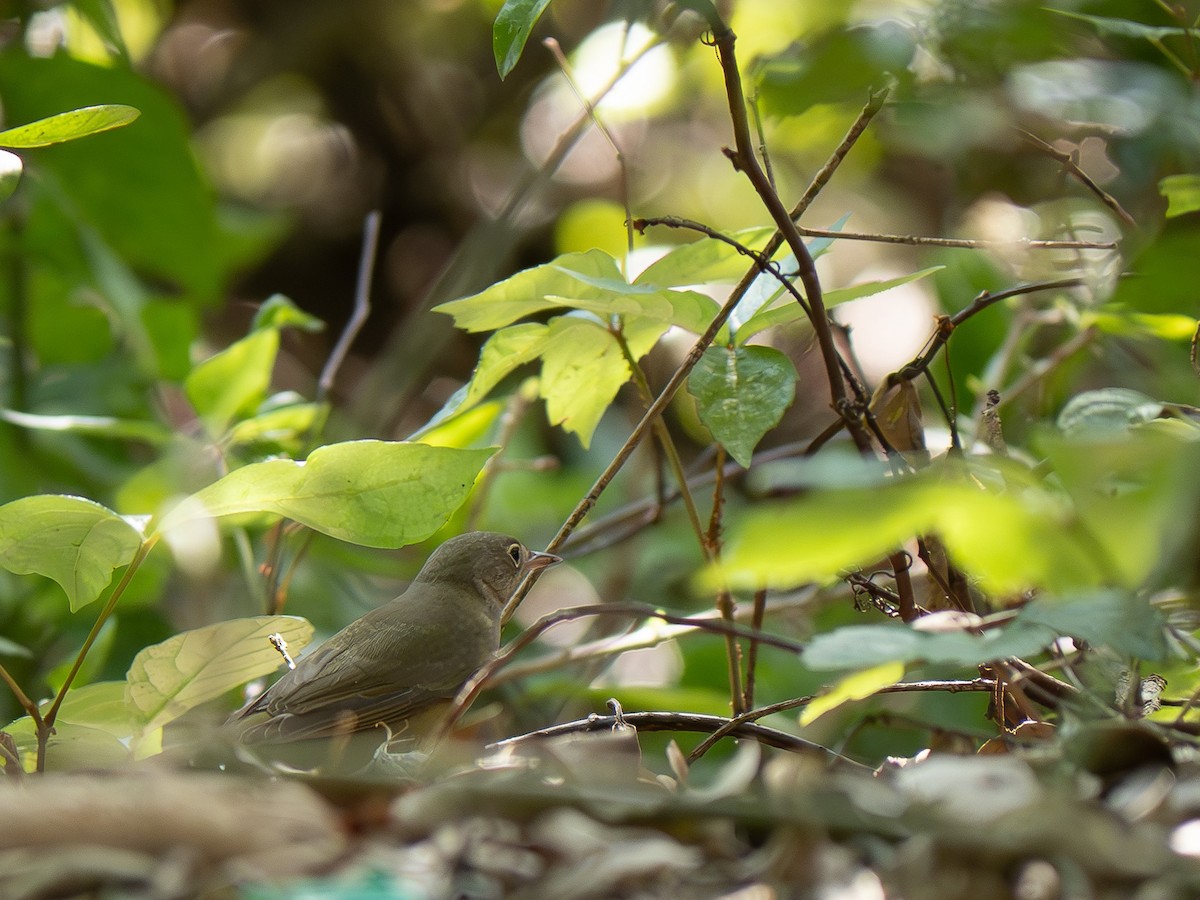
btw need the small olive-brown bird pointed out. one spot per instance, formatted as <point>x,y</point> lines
<point>405,658</point>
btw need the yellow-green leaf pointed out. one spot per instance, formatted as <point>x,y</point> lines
<point>857,686</point>
<point>74,541</point>
<point>375,493</point>
<point>167,679</point>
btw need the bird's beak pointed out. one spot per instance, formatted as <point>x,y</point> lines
<point>539,560</point>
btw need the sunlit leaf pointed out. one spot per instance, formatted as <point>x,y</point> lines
<point>286,426</point>
<point>582,370</point>
<point>704,261</point>
<point>858,686</point>
<point>167,679</point>
<point>1168,326</point>
<point>375,493</point>
<point>511,30</point>
<point>74,541</point>
<point>504,352</point>
<point>742,394</point>
<point>1008,540</point>
<point>589,281</point>
<point>231,384</point>
<point>68,126</point>
<point>1182,193</point>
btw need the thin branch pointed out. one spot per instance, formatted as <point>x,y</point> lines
<point>663,435</point>
<point>947,324</point>
<point>692,722</point>
<point>874,104</point>
<point>904,687</point>
<point>1067,161</point>
<point>745,160</point>
<point>651,633</point>
<point>565,67</point>
<point>1043,367</point>
<point>470,690</point>
<point>756,622</point>
<point>906,604</point>
<point>961,243</point>
<point>22,698</point>
<point>362,306</point>
<point>47,724</point>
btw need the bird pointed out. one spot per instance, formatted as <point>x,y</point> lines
<point>404,659</point>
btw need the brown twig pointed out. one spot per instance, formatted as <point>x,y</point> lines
<point>906,604</point>
<point>756,622</point>
<point>470,690</point>
<point>362,306</point>
<point>961,243</point>
<point>744,159</point>
<point>947,324</point>
<point>948,687</point>
<point>693,722</point>
<point>1067,161</point>
<point>875,102</point>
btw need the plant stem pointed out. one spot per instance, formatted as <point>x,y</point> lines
<point>46,726</point>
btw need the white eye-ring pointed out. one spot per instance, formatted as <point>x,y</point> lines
<point>514,553</point>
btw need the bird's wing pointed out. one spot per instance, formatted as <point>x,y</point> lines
<point>352,715</point>
<point>382,667</point>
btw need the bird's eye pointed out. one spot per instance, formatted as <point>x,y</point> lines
<point>514,553</point>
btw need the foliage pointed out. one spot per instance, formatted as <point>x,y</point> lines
<point>942,447</point>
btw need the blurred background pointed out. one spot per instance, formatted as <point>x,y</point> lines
<point>270,128</point>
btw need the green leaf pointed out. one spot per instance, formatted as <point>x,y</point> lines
<point>504,352</point>
<point>1135,493</point>
<point>92,426</point>
<point>103,18</point>
<point>1009,540</point>
<point>231,384</point>
<point>166,680</point>
<point>1125,623</point>
<point>791,311</point>
<point>74,541</point>
<point>114,185</point>
<point>11,168</point>
<point>1162,276</point>
<point>704,261</point>
<point>68,126</point>
<point>742,394</point>
<point>278,312</point>
<point>858,686</point>
<point>843,65</point>
<point>1123,27</point>
<point>92,724</point>
<point>861,646</point>
<point>582,370</point>
<point>589,281</point>
<point>1107,412</point>
<point>1182,193</point>
<point>511,30</point>
<point>284,427</point>
<point>375,493</point>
